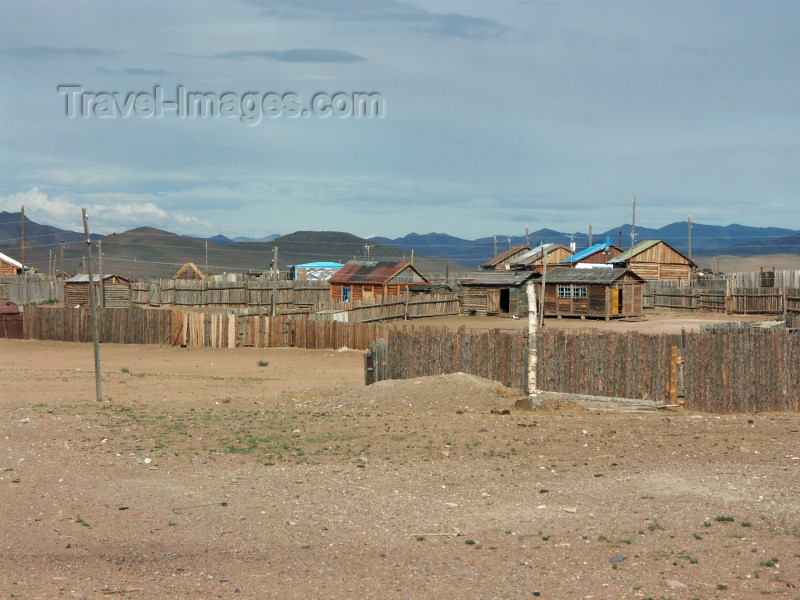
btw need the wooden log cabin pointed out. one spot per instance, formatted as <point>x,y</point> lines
<point>190,272</point>
<point>495,292</point>
<point>368,280</point>
<point>116,291</point>
<point>9,266</point>
<point>502,260</point>
<point>598,254</point>
<point>597,293</point>
<point>533,260</point>
<point>654,260</point>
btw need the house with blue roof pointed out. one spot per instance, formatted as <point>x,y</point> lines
<point>596,255</point>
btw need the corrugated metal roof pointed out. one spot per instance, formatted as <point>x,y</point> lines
<point>603,276</point>
<point>536,254</point>
<point>10,260</point>
<point>637,249</point>
<point>84,278</point>
<point>320,265</point>
<point>500,278</point>
<point>377,273</point>
<point>504,255</point>
<point>579,256</point>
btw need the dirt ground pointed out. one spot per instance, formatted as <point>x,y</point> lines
<point>251,473</point>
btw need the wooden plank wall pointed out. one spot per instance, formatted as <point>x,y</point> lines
<point>742,372</point>
<point>117,326</point>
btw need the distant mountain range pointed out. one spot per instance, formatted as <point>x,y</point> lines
<point>146,252</point>
<point>707,240</point>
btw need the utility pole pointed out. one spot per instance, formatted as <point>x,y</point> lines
<point>272,307</point>
<point>22,250</point>
<point>412,256</point>
<point>100,268</point>
<point>633,224</point>
<point>206,258</point>
<point>533,328</point>
<point>590,236</point>
<point>495,245</point>
<point>690,237</point>
<point>526,235</point>
<point>62,257</point>
<point>50,267</point>
<point>92,301</point>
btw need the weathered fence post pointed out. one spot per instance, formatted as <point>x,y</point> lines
<point>375,362</point>
<point>532,400</point>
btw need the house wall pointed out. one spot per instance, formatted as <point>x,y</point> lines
<point>8,269</point>
<point>599,301</point>
<point>480,300</point>
<point>661,272</point>
<point>601,258</point>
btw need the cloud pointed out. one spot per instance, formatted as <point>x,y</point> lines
<point>295,55</point>
<point>387,12</point>
<point>49,52</point>
<point>106,213</point>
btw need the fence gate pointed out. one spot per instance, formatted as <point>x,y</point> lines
<point>155,294</point>
<point>376,362</point>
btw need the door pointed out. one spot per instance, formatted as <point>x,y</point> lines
<point>345,294</point>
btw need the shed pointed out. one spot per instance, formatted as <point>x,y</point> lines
<point>9,266</point>
<point>117,291</point>
<point>603,293</point>
<point>654,260</point>
<point>501,261</point>
<point>598,254</point>
<point>189,271</point>
<point>10,321</point>
<point>495,292</point>
<point>315,271</point>
<point>364,280</point>
<point>533,259</point>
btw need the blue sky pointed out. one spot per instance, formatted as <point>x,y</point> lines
<point>492,115</point>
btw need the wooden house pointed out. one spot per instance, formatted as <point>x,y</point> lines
<point>9,266</point>
<point>367,280</point>
<point>495,292</point>
<point>533,259</point>
<point>501,261</point>
<point>189,271</point>
<point>599,293</point>
<point>116,291</point>
<point>598,254</point>
<point>654,260</point>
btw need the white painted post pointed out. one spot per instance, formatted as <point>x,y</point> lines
<point>533,329</point>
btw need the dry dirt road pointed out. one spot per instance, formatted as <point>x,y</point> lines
<point>248,473</point>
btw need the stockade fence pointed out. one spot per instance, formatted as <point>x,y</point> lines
<point>721,373</point>
<point>387,308</point>
<point>721,299</point>
<point>180,328</point>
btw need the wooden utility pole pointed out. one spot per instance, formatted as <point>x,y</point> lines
<point>206,258</point>
<point>102,301</point>
<point>495,245</point>
<point>272,303</point>
<point>93,303</point>
<point>633,224</point>
<point>22,250</point>
<point>62,257</point>
<point>526,236</point>
<point>690,237</point>
<point>590,236</point>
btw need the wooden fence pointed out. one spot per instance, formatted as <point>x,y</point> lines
<point>391,307</point>
<point>216,330</point>
<point>722,373</point>
<point>33,289</point>
<point>732,300</point>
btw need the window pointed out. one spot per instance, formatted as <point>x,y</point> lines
<point>572,291</point>
<point>345,294</point>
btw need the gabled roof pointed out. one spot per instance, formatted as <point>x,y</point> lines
<point>84,278</point>
<point>375,273</point>
<point>11,261</point>
<point>536,254</point>
<point>504,255</point>
<point>603,276</point>
<point>189,266</point>
<point>586,252</point>
<point>496,278</point>
<point>642,247</point>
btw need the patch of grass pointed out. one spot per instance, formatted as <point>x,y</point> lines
<point>419,538</point>
<point>654,526</point>
<point>722,586</point>
<point>172,524</point>
<point>724,518</point>
<point>470,542</point>
<point>80,520</point>
<point>125,370</point>
<point>263,363</point>
<point>745,523</point>
<point>770,563</point>
<point>697,536</point>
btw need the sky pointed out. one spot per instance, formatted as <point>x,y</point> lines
<point>382,117</point>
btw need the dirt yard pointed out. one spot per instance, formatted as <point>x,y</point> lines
<point>249,473</point>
